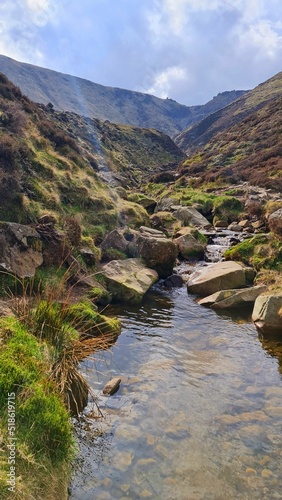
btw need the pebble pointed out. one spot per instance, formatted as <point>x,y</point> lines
<point>125,487</point>
<point>150,440</point>
<point>146,494</point>
<point>251,471</point>
<point>265,460</point>
<point>128,432</point>
<point>123,460</point>
<point>145,461</point>
<point>169,481</point>
<point>266,473</point>
<point>160,450</point>
<point>107,482</point>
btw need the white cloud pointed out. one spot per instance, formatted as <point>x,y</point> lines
<point>164,81</point>
<point>20,25</point>
<point>264,37</point>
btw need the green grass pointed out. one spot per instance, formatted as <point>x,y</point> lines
<point>43,428</point>
<point>261,251</point>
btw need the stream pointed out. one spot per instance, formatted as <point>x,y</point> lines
<point>198,415</point>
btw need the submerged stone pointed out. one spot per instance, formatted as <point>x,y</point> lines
<point>112,386</point>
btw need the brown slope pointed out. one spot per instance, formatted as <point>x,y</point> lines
<point>248,151</point>
<point>200,134</point>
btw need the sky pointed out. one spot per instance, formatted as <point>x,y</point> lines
<point>187,50</point>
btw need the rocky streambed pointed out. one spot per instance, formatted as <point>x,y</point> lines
<point>198,412</point>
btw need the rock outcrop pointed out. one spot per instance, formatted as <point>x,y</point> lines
<point>275,222</point>
<point>128,280</point>
<point>225,299</point>
<point>216,277</point>
<point>267,314</point>
<point>20,250</point>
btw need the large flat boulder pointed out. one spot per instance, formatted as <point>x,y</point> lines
<point>232,298</point>
<point>216,277</point>
<point>128,280</point>
<point>267,314</point>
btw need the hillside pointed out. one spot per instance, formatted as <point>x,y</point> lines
<point>119,153</point>
<point>199,135</point>
<point>249,151</point>
<point>69,93</point>
<point>44,169</point>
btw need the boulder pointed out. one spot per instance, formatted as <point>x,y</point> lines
<point>149,204</point>
<point>275,221</point>
<point>173,281</point>
<point>128,280</point>
<point>115,239</point>
<point>165,204</point>
<point>220,223</point>
<point>232,298</point>
<point>189,215</point>
<point>88,256</point>
<point>267,314</point>
<point>189,247</point>
<point>55,245</point>
<point>20,250</point>
<point>163,221</point>
<point>244,224</point>
<point>216,277</point>
<point>157,251</point>
<point>234,226</point>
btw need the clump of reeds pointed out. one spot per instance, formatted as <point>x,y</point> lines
<point>69,333</point>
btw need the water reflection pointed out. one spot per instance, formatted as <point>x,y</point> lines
<point>273,346</point>
<point>198,413</point>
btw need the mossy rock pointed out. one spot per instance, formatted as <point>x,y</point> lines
<point>227,208</point>
<point>164,221</point>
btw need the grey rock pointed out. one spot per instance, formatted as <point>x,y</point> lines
<point>157,252</point>
<point>216,277</point>
<point>128,280</point>
<point>267,314</point>
<point>189,247</point>
<point>20,250</point>
<point>189,215</point>
<point>225,299</point>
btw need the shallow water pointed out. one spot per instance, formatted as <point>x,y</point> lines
<point>198,414</point>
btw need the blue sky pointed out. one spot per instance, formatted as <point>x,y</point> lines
<point>188,50</point>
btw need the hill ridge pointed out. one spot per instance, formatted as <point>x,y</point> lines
<point>71,93</point>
